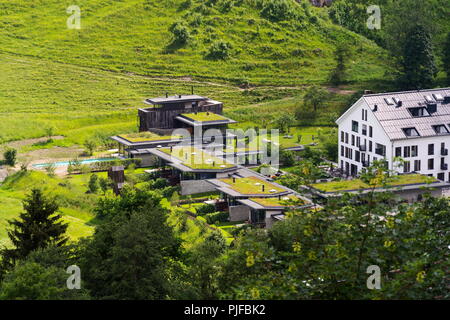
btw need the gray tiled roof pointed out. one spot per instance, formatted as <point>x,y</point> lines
<point>394,119</point>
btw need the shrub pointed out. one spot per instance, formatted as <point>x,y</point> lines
<point>10,156</point>
<point>206,209</point>
<point>90,146</point>
<point>277,10</point>
<point>93,183</point>
<point>159,183</point>
<point>180,33</point>
<point>220,50</point>
<point>216,217</point>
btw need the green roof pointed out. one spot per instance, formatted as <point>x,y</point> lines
<point>147,136</point>
<point>252,185</point>
<point>277,202</point>
<point>358,184</point>
<point>196,158</point>
<point>204,116</point>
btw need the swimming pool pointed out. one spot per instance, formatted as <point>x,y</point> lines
<point>66,163</point>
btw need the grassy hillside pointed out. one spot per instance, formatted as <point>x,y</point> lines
<point>134,36</point>
<point>75,204</point>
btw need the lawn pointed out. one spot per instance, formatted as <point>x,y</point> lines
<point>252,185</point>
<point>147,136</point>
<point>276,202</point>
<point>357,184</point>
<point>204,116</point>
<point>75,204</point>
<point>195,158</point>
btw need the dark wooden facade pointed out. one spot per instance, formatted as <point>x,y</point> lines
<point>164,117</point>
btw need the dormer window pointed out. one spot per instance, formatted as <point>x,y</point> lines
<point>411,132</point>
<point>440,129</point>
<point>438,97</point>
<point>429,99</point>
<point>419,112</point>
<point>389,101</point>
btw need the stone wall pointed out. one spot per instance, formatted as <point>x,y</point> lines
<point>196,186</point>
<point>239,213</point>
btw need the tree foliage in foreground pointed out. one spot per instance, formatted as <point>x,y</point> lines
<point>37,227</point>
<point>325,254</point>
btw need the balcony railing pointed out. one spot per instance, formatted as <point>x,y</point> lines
<point>444,152</point>
<point>365,164</point>
<point>444,166</point>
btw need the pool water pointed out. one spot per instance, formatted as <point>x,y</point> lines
<point>66,163</point>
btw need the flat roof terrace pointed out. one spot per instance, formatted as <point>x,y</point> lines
<point>402,182</point>
<point>204,119</point>
<point>192,159</point>
<point>145,138</point>
<point>249,187</point>
<point>278,203</point>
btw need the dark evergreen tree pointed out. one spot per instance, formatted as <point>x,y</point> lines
<point>418,64</point>
<point>37,227</point>
<point>446,57</point>
<point>132,255</point>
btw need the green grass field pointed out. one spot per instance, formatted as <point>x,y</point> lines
<point>89,82</point>
<point>75,204</point>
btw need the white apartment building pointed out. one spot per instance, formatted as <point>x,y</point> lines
<point>412,125</point>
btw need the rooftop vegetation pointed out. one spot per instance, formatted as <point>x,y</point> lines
<point>195,158</point>
<point>204,116</point>
<point>277,202</point>
<point>147,136</point>
<point>358,184</point>
<point>252,185</point>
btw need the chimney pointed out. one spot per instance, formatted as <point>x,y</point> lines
<point>263,188</point>
<point>234,179</point>
<point>368,92</point>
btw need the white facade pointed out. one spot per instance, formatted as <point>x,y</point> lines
<point>373,130</point>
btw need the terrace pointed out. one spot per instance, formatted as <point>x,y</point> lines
<point>148,137</point>
<point>247,187</point>
<point>193,158</point>
<point>357,184</point>
<point>203,119</point>
<point>286,201</point>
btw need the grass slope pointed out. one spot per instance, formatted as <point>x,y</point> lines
<point>75,205</point>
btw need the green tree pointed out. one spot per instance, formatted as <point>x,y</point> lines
<point>284,122</point>
<point>93,183</point>
<point>446,57</point>
<point>341,57</point>
<point>315,97</point>
<point>143,239</point>
<point>90,146</point>
<point>32,281</point>
<point>37,227</point>
<point>104,184</point>
<point>10,156</point>
<point>204,265</point>
<point>418,64</point>
<point>180,33</point>
<point>49,133</point>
